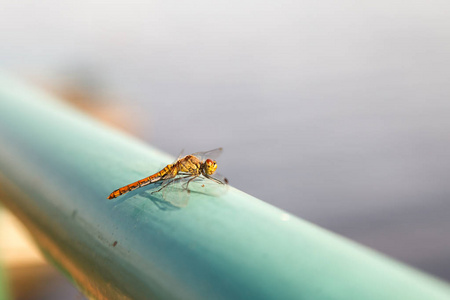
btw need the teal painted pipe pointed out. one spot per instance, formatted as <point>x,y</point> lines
<point>58,166</point>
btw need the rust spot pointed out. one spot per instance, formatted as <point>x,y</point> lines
<point>115,243</point>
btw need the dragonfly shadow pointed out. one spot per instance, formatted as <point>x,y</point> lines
<point>123,198</point>
<point>149,194</point>
<point>160,203</point>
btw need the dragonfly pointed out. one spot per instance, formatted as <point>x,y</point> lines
<point>175,178</point>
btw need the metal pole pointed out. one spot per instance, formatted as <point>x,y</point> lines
<point>58,166</point>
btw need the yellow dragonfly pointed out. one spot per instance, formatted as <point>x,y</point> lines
<point>175,178</point>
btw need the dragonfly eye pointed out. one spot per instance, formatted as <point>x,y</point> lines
<point>210,166</point>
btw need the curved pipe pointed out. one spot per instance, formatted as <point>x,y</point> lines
<point>58,166</point>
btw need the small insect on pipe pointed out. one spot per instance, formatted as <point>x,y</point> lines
<point>178,176</point>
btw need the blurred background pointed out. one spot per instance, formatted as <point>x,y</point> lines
<point>335,111</point>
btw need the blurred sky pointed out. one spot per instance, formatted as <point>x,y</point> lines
<point>336,111</point>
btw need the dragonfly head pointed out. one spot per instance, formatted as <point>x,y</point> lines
<point>210,167</point>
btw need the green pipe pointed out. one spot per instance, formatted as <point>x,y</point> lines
<point>58,166</point>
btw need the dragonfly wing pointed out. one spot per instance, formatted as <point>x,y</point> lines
<point>176,192</point>
<point>180,155</point>
<point>215,185</point>
<point>213,154</point>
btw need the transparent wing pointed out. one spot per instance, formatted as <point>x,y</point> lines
<point>213,154</point>
<point>218,178</point>
<point>215,185</point>
<point>176,192</point>
<point>180,155</point>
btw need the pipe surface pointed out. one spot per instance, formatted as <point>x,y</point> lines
<point>57,166</point>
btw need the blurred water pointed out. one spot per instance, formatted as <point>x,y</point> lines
<point>336,111</point>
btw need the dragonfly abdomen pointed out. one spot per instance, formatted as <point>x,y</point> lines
<point>168,171</point>
<point>129,188</point>
<point>143,182</point>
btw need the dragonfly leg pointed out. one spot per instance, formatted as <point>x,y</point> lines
<point>163,186</point>
<point>214,179</point>
<point>169,182</point>
<point>189,181</point>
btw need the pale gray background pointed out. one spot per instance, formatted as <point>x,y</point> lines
<point>336,111</point>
